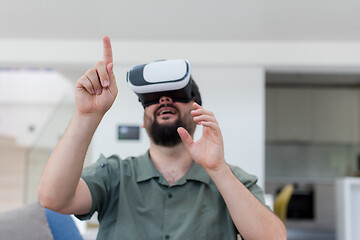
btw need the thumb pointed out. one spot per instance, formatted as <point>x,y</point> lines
<point>185,137</point>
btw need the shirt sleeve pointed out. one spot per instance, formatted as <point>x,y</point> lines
<point>250,182</point>
<point>101,180</point>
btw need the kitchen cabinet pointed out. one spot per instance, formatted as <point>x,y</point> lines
<point>291,111</point>
<point>336,116</point>
<point>320,115</point>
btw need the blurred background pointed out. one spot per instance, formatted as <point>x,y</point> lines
<point>282,77</point>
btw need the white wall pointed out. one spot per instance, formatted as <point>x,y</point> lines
<point>236,96</point>
<point>319,55</point>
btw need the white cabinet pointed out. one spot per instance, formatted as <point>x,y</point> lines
<point>312,115</point>
<point>347,196</point>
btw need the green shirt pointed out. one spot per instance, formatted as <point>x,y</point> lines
<point>134,201</point>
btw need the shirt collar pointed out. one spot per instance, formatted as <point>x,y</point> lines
<point>146,170</point>
<point>197,173</point>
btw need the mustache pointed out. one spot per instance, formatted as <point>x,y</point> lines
<point>166,105</point>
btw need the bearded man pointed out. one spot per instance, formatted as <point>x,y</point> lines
<point>178,189</point>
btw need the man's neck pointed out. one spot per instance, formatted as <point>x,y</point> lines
<point>172,162</point>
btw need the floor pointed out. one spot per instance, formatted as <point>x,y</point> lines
<point>295,234</point>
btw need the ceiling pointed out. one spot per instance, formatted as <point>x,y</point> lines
<point>186,20</point>
<point>194,20</point>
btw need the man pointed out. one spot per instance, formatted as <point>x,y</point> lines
<point>180,189</point>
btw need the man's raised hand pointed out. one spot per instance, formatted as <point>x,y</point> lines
<point>96,91</point>
<point>208,151</point>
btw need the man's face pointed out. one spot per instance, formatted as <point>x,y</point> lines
<point>162,120</point>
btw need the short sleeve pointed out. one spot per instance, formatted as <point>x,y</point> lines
<point>102,179</point>
<point>250,182</point>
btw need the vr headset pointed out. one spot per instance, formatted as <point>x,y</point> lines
<point>170,78</point>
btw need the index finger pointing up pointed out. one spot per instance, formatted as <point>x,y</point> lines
<point>108,57</point>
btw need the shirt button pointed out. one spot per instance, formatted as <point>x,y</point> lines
<point>169,196</point>
<point>167,237</point>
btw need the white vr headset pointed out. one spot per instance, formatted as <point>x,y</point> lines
<point>169,78</point>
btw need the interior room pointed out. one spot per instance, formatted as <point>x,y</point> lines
<point>282,77</point>
<point>312,132</point>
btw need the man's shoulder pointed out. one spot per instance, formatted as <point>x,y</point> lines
<point>115,158</point>
<point>244,177</point>
<point>115,161</point>
<point>112,160</point>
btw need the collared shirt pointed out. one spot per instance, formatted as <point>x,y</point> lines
<point>134,201</point>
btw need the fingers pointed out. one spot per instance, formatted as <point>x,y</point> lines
<point>98,78</point>
<point>207,119</point>
<point>93,78</point>
<point>84,82</point>
<point>204,117</point>
<point>108,60</point>
<point>107,50</point>
<point>185,137</point>
<point>200,110</point>
<point>110,72</point>
<point>102,73</point>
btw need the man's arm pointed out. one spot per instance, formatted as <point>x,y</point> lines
<point>252,219</point>
<point>61,188</point>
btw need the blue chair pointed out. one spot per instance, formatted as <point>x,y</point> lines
<point>62,226</point>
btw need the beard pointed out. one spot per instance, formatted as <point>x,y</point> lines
<point>166,134</point>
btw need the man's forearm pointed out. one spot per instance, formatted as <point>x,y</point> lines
<point>63,169</point>
<point>252,219</point>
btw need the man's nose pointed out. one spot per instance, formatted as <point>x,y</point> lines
<point>165,100</point>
